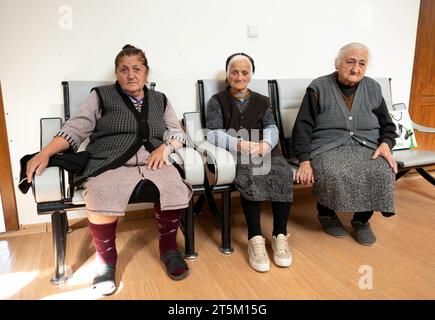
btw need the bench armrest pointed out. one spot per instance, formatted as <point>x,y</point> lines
<point>191,162</point>
<point>49,185</point>
<point>416,126</point>
<point>421,128</point>
<point>222,160</point>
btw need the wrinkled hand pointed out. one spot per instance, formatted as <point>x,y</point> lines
<point>263,148</point>
<point>254,148</point>
<point>36,165</point>
<point>305,174</point>
<point>384,151</point>
<point>244,146</point>
<point>158,158</point>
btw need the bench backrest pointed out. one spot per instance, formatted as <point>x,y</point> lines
<point>209,87</point>
<point>287,98</point>
<point>289,94</point>
<point>195,123</point>
<point>76,92</point>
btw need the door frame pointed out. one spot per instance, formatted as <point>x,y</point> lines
<point>420,50</point>
<point>7,190</point>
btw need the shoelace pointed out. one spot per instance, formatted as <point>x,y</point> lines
<point>282,244</point>
<point>259,248</point>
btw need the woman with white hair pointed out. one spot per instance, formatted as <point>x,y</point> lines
<point>343,137</point>
<point>241,121</point>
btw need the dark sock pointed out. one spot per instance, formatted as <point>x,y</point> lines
<point>168,222</point>
<point>325,211</point>
<point>104,239</point>
<point>252,210</point>
<point>363,217</point>
<point>281,211</point>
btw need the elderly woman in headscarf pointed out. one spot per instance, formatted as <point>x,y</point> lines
<point>241,121</point>
<point>343,136</point>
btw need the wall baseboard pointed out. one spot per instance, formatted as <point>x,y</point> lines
<point>26,229</point>
<point>299,190</point>
<point>74,223</point>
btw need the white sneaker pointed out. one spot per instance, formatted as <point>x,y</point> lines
<point>281,252</point>
<point>258,258</point>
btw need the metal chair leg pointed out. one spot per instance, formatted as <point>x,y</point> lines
<point>67,227</point>
<point>426,175</point>
<point>199,204</point>
<point>189,232</point>
<point>62,272</point>
<point>400,174</point>
<point>226,224</point>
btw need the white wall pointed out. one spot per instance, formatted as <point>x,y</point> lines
<point>184,41</point>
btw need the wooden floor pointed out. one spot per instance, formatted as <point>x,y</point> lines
<point>401,263</point>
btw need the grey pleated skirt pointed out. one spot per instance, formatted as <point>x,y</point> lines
<point>348,180</point>
<point>269,181</point>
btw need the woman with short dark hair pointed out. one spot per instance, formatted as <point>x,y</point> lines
<point>132,132</point>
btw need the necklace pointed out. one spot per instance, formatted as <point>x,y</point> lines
<point>138,104</point>
<point>240,96</point>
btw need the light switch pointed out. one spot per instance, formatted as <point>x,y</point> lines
<point>253,31</point>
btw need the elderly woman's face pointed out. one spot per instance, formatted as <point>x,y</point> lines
<point>352,66</point>
<point>132,75</point>
<point>239,74</point>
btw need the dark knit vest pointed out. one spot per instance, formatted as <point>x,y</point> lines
<point>122,130</point>
<point>336,124</point>
<point>250,119</point>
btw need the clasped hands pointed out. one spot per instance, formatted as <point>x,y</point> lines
<point>253,148</point>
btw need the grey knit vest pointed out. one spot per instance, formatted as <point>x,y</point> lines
<point>121,130</point>
<point>336,124</point>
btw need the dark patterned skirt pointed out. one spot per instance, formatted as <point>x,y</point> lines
<point>271,180</point>
<point>348,180</point>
